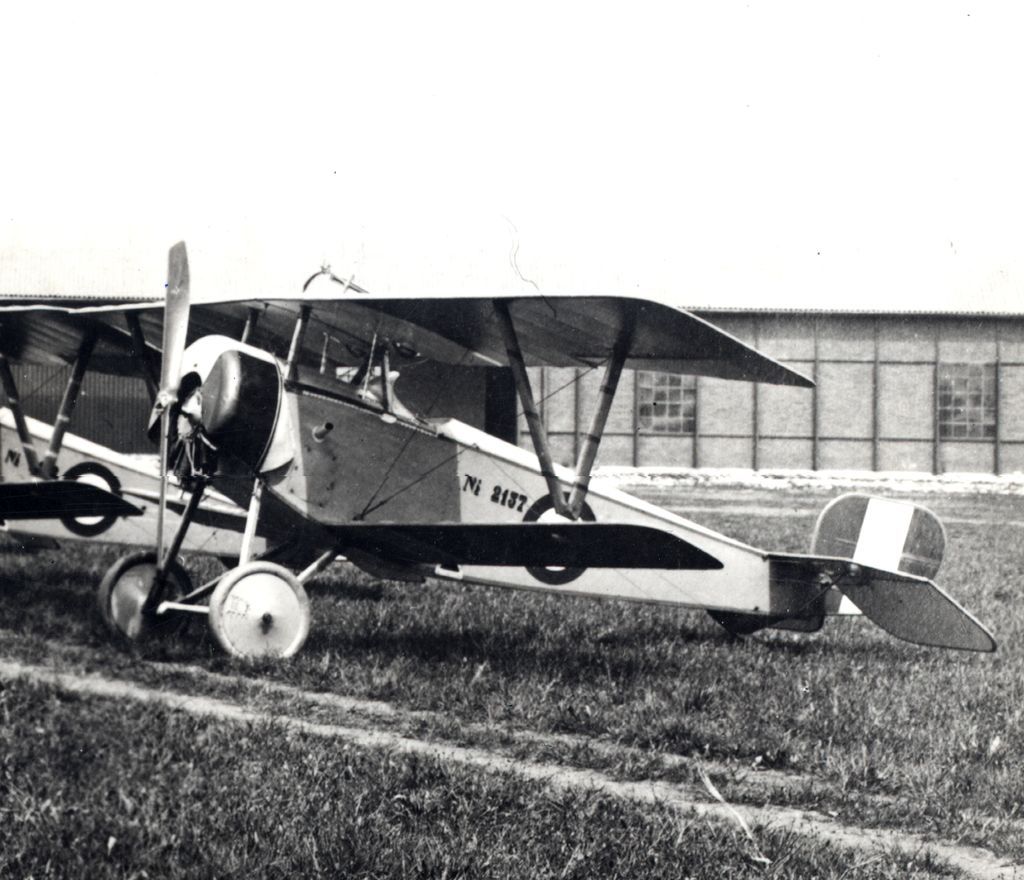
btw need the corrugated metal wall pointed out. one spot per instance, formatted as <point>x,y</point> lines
<point>112,410</point>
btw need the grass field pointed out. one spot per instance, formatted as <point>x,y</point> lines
<point>849,721</point>
<point>125,791</point>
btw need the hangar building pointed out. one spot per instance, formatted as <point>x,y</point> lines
<point>925,392</point>
<point>907,391</point>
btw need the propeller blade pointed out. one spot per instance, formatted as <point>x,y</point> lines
<point>176,312</point>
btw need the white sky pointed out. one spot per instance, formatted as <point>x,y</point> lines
<point>730,154</point>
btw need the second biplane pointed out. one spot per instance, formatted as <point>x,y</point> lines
<point>330,462</point>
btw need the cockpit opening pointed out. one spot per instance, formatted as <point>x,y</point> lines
<point>374,381</point>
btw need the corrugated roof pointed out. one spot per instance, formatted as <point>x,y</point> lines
<point>885,313</point>
<point>37,265</point>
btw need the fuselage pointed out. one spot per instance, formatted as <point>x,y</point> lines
<point>340,453</point>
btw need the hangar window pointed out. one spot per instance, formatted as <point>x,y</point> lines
<point>967,401</point>
<point>666,403</point>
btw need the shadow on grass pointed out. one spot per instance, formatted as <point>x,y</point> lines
<point>665,644</point>
<point>342,591</point>
<point>52,594</point>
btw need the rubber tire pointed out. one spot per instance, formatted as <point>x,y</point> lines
<point>236,621</point>
<point>178,584</point>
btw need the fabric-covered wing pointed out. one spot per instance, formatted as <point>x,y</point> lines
<point>570,544</point>
<point>552,330</point>
<point>53,499</point>
<point>563,331</point>
<point>51,337</point>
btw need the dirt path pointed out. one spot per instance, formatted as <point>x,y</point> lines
<point>688,799</point>
<point>765,782</point>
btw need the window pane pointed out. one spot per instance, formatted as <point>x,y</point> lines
<point>666,403</point>
<point>967,401</point>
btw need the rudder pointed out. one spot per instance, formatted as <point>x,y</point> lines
<point>881,533</point>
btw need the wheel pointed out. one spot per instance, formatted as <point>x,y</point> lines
<point>259,610</point>
<point>124,588</point>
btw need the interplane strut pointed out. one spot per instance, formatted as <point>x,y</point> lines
<point>570,508</point>
<point>48,469</point>
<point>588,454</point>
<point>533,418</point>
<point>28,449</point>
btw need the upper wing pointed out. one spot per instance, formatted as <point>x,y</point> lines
<point>554,330</point>
<point>561,331</point>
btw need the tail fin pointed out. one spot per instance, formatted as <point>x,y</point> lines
<point>880,532</point>
<point>894,548</point>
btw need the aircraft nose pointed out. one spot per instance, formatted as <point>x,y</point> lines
<point>238,405</point>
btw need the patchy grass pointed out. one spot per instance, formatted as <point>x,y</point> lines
<point>899,736</point>
<point>99,788</point>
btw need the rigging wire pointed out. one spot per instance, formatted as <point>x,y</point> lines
<point>513,259</point>
<point>442,387</point>
<point>370,509</point>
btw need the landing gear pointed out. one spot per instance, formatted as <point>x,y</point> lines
<point>125,588</point>
<point>259,610</point>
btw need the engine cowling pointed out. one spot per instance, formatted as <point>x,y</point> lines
<point>241,396</point>
<point>237,396</point>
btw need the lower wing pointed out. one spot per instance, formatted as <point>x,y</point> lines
<point>571,544</point>
<point>55,499</point>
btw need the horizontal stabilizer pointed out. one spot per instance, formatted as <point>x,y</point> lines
<point>569,544</point>
<point>917,610</point>
<point>57,499</point>
<point>908,606</point>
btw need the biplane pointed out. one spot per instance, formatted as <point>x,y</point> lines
<point>320,458</point>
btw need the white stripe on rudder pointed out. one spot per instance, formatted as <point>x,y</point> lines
<point>883,533</point>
